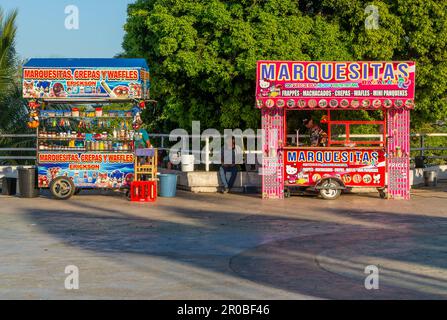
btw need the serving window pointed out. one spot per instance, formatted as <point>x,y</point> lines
<point>345,128</point>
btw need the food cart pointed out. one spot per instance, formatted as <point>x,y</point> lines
<point>348,160</point>
<point>83,111</point>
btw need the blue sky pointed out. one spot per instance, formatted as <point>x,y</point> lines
<point>42,32</point>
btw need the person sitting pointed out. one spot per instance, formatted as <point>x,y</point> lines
<point>318,138</point>
<point>231,155</point>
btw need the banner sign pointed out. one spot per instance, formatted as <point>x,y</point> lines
<point>82,83</point>
<point>359,167</point>
<point>308,84</point>
<point>87,170</point>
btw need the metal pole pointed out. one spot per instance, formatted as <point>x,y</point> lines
<point>421,140</point>
<point>207,154</point>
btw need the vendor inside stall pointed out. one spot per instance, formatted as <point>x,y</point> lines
<point>318,137</point>
<point>141,136</point>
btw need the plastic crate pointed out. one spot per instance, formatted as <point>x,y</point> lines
<point>143,191</point>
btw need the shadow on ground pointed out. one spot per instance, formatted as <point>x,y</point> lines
<point>299,253</point>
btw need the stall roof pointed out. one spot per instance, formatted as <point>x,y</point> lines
<point>86,63</point>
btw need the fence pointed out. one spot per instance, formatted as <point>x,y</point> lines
<point>163,143</point>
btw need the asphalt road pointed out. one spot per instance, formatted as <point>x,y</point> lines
<point>213,246</point>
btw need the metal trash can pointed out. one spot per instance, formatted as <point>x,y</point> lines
<point>9,186</point>
<point>28,183</point>
<point>419,162</point>
<point>430,178</point>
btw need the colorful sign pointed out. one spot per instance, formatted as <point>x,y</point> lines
<point>355,167</point>
<point>82,83</point>
<point>308,84</point>
<point>87,170</point>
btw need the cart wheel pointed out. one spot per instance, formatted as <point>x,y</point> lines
<point>330,189</point>
<point>77,191</point>
<point>382,193</point>
<point>62,188</point>
<point>287,193</point>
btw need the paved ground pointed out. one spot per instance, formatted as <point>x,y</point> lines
<point>212,246</point>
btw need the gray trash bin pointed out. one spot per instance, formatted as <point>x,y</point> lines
<point>28,182</point>
<point>9,186</point>
<point>430,178</point>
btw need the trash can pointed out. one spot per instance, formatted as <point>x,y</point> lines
<point>430,178</point>
<point>168,185</point>
<point>28,183</point>
<point>9,186</point>
<point>419,162</point>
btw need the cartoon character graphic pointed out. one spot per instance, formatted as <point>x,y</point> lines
<point>43,181</point>
<point>116,178</point>
<point>28,90</point>
<point>302,178</point>
<point>291,174</point>
<point>43,89</point>
<point>128,179</point>
<point>103,180</point>
<point>376,178</point>
<point>53,173</point>
<point>58,90</point>
<point>135,90</point>
<point>275,90</point>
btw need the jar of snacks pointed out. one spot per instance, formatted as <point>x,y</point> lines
<point>98,112</point>
<point>75,112</point>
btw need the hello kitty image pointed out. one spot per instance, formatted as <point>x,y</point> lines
<point>264,84</point>
<point>291,174</point>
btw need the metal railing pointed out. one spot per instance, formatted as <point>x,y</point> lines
<point>163,145</point>
<point>9,149</point>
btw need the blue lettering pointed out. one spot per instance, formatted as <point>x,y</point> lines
<point>310,156</point>
<point>298,72</point>
<point>268,71</point>
<point>354,73</point>
<point>319,156</point>
<point>291,156</point>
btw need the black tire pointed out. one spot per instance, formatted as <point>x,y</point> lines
<point>330,189</point>
<point>62,188</point>
<point>77,191</point>
<point>287,193</point>
<point>382,193</point>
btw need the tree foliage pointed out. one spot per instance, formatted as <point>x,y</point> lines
<point>203,53</point>
<point>13,111</point>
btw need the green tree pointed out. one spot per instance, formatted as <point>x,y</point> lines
<point>7,52</point>
<point>13,111</point>
<point>203,53</point>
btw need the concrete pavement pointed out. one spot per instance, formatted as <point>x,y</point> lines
<point>233,246</point>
